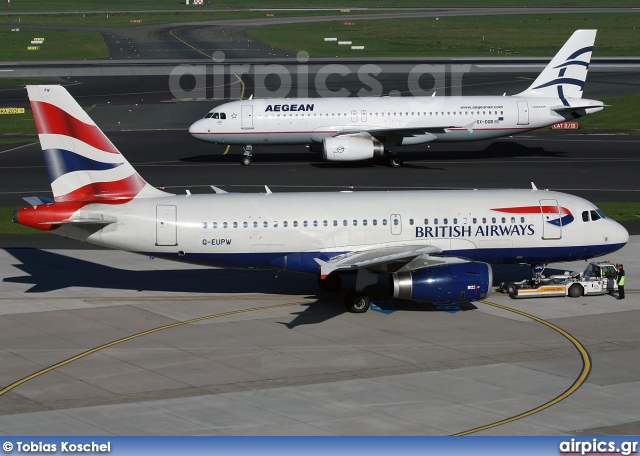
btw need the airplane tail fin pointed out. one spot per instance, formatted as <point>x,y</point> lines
<point>565,75</point>
<point>83,165</point>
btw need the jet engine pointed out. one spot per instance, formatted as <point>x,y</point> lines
<point>351,148</point>
<point>467,281</point>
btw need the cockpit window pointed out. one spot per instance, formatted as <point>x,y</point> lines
<point>585,216</point>
<point>595,215</point>
<point>600,213</point>
<point>216,115</point>
<point>209,114</point>
<point>223,115</point>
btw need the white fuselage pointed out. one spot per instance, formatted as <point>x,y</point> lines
<point>289,230</point>
<point>397,120</point>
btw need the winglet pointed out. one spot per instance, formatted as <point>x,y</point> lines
<point>217,190</point>
<point>533,186</point>
<point>269,192</point>
<point>470,127</point>
<point>325,268</point>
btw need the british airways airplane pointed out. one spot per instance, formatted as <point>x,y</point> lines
<point>434,246</point>
<point>352,129</point>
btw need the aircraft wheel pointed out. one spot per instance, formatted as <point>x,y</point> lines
<point>575,290</point>
<point>395,161</point>
<point>246,161</point>
<point>331,283</point>
<point>356,302</point>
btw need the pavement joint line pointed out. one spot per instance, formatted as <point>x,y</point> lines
<point>578,382</point>
<point>140,334</point>
<point>148,298</point>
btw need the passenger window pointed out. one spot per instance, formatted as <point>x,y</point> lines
<point>305,224</point>
<point>315,223</point>
<point>504,220</point>
<point>475,220</point>
<point>435,221</point>
<point>375,222</point>
<point>225,224</point>
<point>364,222</point>
<point>446,221</point>
<point>384,222</point>
<point>410,221</point>
<point>295,223</point>
<point>285,224</point>
<point>395,222</point>
<point>215,225</point>
<point>266,224</point>
<point>493,220</point>
<point>325,223</point>
<point>355,223</point>
<point>455,221</point>
<point>585,216</point>
<point>245,224</point>
<point>235,224</point>
<point>426,221</point>
<point>513,220</point>
<point>484,220</point>
<point>255,224</point>
<point>345,223</point>
<point>335,223</point>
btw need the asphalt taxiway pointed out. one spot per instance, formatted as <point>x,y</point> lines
<point>111,343</point>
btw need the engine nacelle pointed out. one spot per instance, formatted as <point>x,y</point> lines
<point>351,148</point>
<point>468,281</point>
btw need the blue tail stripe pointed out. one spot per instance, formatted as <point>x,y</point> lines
<point>575,62</point>
<point>571,81</point>
<point>60,162</point>
<point>584,50</point>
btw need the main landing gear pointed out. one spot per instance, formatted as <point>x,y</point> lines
<point>248,154</point>
<point>356,301</point>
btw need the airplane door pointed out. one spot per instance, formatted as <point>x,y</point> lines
<point>523,113</point>
<point>247,117</point>
<point>551,219</point>
<point>166,226</point>
<point>396,223</point>
<point>354,116</point>
<point>363,115</point>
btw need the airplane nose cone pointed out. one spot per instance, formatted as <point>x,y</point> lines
<point>196,127</point>
<point>623,234</point>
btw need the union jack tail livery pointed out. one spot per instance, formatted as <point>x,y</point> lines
<point>564,77</point>
<point>83,165</point>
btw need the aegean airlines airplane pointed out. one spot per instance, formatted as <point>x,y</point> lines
<point>435,246</point>
<point>352,129</point>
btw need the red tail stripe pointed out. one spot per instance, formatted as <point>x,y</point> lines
<point>52,120</point>
<point>118,192</point>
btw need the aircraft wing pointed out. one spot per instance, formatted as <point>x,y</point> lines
<point>407,132</point>
<point>378,259</point>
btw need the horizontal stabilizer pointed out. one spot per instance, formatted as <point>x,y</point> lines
<point>562,108</point>
<point>96,220</point>
<point>38,200</point>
